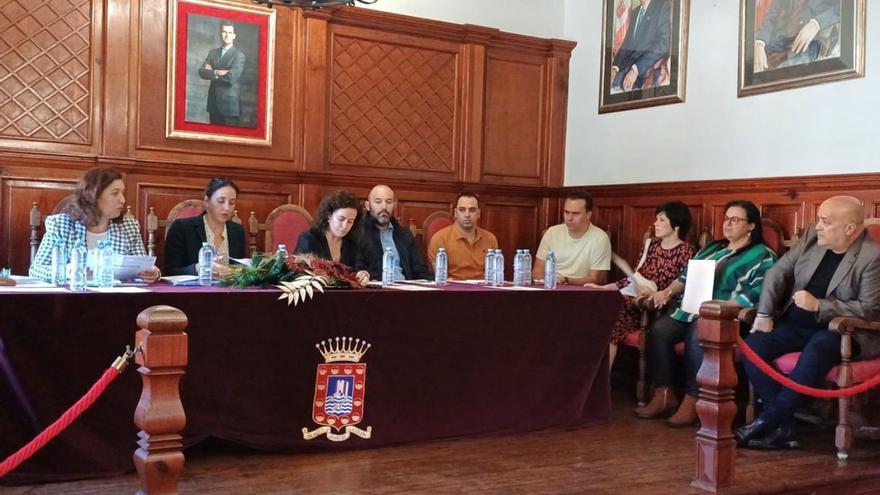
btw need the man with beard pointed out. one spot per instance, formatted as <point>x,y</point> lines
<point>380,231</point>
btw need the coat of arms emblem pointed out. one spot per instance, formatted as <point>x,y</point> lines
<point>340,386</point>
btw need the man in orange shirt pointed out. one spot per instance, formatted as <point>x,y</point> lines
<point>464,241</point>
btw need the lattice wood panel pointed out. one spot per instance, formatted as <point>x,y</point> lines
<point>44,69</point>
<point>392,106</point>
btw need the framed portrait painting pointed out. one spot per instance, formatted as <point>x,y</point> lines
<point>220,68</point>
<point>792,43</point>
<point>644,53</point>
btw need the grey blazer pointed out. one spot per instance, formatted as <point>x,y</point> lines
<point>854,289</point>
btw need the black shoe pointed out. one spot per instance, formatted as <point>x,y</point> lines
<point>780,438</point>
<point>755,429</point>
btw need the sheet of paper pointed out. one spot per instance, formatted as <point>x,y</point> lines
<point>240,261</point>
<point>469,282</point>
<point>127,267</point>
<point>410,287</point>
<point>118,290</point>
<point>21,280</point>
<point>31,288</point>
<point>513,287</point>
<point>180,279</point>
<point>700,285</point>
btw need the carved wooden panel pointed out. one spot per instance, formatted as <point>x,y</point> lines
<point>514,224</point>
<point>787,216</point>
<point>45,76</point>
<point>392,104</point>
<point>18,195</point>
<point>514,139</point>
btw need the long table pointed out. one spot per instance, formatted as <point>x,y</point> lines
<point>461,361</point>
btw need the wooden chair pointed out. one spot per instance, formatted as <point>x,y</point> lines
<point>37,220</point>
<point>185,209</point>
<point>638,336</point>
<point>848,373</point>
<point>283,226</point>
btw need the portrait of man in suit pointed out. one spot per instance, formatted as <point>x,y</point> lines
<point>641,58</point>
<point>794,32</point>
<point>224,67</point>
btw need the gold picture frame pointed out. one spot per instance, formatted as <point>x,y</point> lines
<point>644,54</point>
<point>221,58</point>
<point>783,45</point>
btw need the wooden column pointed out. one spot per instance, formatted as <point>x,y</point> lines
<point>162,356</point>
<point>715,445</point>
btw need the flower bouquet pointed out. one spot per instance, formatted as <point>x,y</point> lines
<point>298,276</point>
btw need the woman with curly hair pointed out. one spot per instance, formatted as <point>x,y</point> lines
<point>332,235</point>
<point>94,214</point>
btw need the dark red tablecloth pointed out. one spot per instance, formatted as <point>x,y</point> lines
<point>462,361</point>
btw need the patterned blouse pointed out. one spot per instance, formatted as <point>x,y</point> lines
<point>663,266</point>
<point>739,275</point>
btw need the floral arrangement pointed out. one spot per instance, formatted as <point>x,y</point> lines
<point>298,276</point>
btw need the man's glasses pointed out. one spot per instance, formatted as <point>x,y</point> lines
<point>735,220</point>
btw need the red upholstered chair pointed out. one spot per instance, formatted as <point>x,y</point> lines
<point>283,226</point>
<point>37,220</point>
<point>185,209</point>
<point>434,223</point>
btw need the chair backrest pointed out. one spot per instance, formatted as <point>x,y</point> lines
<point>873,226</point>
<point>434,223</point>
<point>185,209</point>
<point>37,219</point>
<point>774,236</point>
<point>283,226</point>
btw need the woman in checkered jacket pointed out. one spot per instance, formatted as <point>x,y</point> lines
<point>95,213</point>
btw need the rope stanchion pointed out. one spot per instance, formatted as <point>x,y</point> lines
<point>803,389</point>
<point>69,416</point>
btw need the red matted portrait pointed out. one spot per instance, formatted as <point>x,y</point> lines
<point>220,67</point>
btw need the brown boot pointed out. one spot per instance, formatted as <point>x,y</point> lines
<point>686,414</point>
<point>663,400</point>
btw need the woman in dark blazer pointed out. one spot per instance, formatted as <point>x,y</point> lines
<point>332,234</point>
<point>185,236</point>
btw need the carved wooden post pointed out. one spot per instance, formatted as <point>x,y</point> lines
<point>715,445</point>
<point>162,356</point>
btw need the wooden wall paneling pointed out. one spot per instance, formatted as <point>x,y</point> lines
<point>473,77</point>
<point>394,105</point>
<point>788,216</point>
<point>149,105</point>
<point>873,209</point>
<point>51,69</point>
<point>120,62</point>
<point>514,144</point>
<point>611,220</point>
<point>17,196</point>
<point>315,88</point>
<point>514,221</point>
<point>558,67</point>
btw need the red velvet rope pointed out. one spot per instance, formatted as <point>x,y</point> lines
<point>61,424</point>
<point>802,389</point>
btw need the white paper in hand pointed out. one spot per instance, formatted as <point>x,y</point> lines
<point>700,285</point>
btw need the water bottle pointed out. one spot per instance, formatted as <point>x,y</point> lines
<point>499,268</point>
<point>489,278</point>
<point>282,251</point>
<point>550,271</point>
<point>59,264</point>
<point>441,263</point>
<point>78,266</point>
<point>518,276</point>
<point>105,264</point>
<point>206,259</point>
<point>388,262</point>
<point>527,267</point>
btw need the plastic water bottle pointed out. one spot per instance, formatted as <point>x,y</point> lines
<point>78,265</point>
<point>282,251</point>
<point>489,278</point>
<point>518,275</point>
<point>527,267</point>
<point>105,264</point>
<point>206,260</point>
<point>388,262</point>
<point>550,271</point>
<point>499,268</point>
<point>441,264</point>
<point>59,264</point>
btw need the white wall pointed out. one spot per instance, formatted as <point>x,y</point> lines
<point>826,129</point>
<point>544,18</point>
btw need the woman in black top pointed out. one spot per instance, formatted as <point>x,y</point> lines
<point>215,226</point>
<point>332,234</point>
